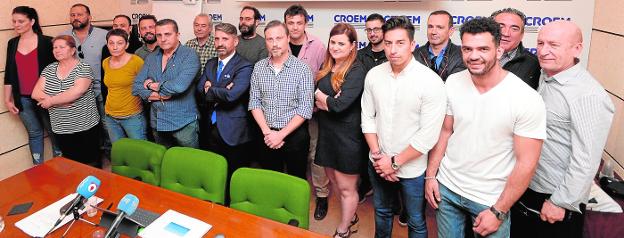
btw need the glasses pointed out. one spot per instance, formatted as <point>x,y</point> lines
<point>375,30</point>
<point>80,54</point>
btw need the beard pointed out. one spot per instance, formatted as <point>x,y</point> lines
<point>488,65</point>
<point>247,30</point>
<point>149,41</point>
<point>77,25</point>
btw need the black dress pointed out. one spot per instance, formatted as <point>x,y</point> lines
<point>341,144</point>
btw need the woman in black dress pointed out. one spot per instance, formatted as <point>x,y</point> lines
<point>341,147</point>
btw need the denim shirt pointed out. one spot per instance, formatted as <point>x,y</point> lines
<point>175,81</point>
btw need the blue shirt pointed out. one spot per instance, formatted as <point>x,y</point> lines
<point>175,81</point>
<point>440,56</point>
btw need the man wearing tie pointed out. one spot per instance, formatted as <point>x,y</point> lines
<point>224,86</point>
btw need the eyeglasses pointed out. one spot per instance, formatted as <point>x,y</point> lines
<point>375,30</point>
<point>80,54</point>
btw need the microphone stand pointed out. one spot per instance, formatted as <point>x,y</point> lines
<point>77,217</point>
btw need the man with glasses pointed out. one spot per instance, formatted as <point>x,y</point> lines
<point>90,41</point>
<point>440,54</point>
<point>373,54</point>
<point>252,46</point>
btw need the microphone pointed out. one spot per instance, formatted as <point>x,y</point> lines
<point>85,190</point>
<point>127,205</point>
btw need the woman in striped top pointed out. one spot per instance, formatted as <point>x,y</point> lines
<point>124,117</point>
<point>65,89</point>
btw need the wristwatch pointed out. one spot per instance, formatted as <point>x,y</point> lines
<point>394,165</point>
<point>501,216</point>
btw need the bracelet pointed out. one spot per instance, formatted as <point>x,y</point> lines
<point>432,177</point>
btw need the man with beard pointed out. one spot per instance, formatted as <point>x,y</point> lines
<point>516,58</point>
<point>281,97</point>
<point>490,141</point>
<point>440,54</point>
<point>311,50</point>
<point>373,54</point>
<point>224,86</point>
<point>147,30</point>
<point>251,45</point>
<point>89,41</point>
<point>203,43</point>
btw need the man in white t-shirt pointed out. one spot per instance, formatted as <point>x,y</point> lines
<point>491,140</point>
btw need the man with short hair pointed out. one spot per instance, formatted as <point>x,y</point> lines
<point>578,122</point>
<point>251,45</point>
<point>89,42</point>
<point>399,135</point>
<point>281,98</point>
<point>147,30</point>
<point>439,53</point>
<point>166,81</point>
<point>490,140</point>
<point>516,58</point>
<point>225,87</point>
<point>311,50</point>
<point>203,43</point>
<point>373,54</point>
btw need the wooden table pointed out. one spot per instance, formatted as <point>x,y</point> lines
<point>58,177</point>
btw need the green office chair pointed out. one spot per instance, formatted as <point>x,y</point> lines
<point>137,159</point>
<point>273,195</point>
<point>194,172</point>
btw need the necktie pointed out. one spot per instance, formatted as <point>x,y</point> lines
<point>434,63</point>
<point>213,118</point>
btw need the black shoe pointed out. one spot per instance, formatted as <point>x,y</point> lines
<point>363,194</point>
<point>321,208</point>
<point>403,219</point>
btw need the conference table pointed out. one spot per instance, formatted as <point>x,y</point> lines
<point>58,177</point>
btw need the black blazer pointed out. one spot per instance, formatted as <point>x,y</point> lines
<point>44,58</point>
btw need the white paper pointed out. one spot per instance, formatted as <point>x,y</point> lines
<point>158,229</point>
<point>40,222</point>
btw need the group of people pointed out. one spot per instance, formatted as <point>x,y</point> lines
<point>481,131</point>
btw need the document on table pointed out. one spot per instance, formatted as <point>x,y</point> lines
<point>173,224</point>
<point>40,222</point>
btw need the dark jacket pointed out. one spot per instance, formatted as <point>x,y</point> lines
<point>451,63</point>
<point>44,58</point>
<point>525,66</point>
<point>368,60</point>
<point>230,104</point>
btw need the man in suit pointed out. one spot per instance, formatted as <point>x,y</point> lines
<point>224,86</point>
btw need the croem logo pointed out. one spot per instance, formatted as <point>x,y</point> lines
<point>358,21</point>
<point>216,17</point>
<point>532,24</point>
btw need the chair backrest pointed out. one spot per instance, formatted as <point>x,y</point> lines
<point>137,159</point>
<point>194,172</point>
<point>274,195</point>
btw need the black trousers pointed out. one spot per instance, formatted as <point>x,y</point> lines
<point>237,156</point>
<point>527,223</point>
<point>83,146</point>
<point>293,154</point>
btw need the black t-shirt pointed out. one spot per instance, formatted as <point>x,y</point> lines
<point>295,49</point>
<point>378,55</point>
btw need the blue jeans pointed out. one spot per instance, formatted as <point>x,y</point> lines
<point>36,120</point>
<point>187,136</point>
<point>132,127</point>
<point>413,192</point>
<point>452,211</point>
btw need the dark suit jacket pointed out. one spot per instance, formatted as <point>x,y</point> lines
<point>526,66</point>
<point>44,58</point>
<point>451,63</point>
<point>233,118</point>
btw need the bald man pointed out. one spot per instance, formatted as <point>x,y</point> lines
<point>578,121</point>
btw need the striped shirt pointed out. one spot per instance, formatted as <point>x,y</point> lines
<point>78,116</point>
<point>579,115</point>
<point>284,94</point>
